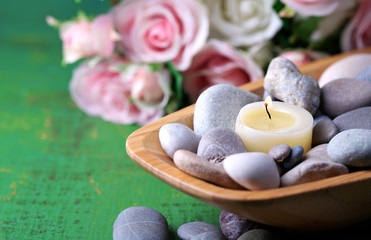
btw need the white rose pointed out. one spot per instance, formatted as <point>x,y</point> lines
<point>243,22</point>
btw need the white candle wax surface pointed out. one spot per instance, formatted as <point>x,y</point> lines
<point>289,124</point>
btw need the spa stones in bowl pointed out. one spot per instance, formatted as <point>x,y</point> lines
<point>214,150</point>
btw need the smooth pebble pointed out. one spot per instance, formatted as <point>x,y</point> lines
<point>347,67</point>
<point>351,147</point>
<point>358,118</point>
<point>317,153</point>
<point>323,131</point>
<point>209,236</point>
<point>175,136</point>
<point>196,166</point>
<point>252,170</point>
<point>218,106</point>
<point>312,170</point>
<point>258,234</point>
<point>199,230</point>
<point>294,158</point>
<point>279,152</point>
<point>233,225</point>
<point>140,223</point>
<point>218,143</point>
<point>285,82</point>
<point>319,118</point>
<point>343,95</point>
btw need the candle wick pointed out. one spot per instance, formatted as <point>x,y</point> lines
<point>266,109</point>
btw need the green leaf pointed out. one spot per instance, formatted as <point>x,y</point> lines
<point>178,82</point>
<point>155,67</point>
<point>304,28</point>
<point>171,106</point>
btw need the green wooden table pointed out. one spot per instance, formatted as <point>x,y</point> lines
<point>63,174</point>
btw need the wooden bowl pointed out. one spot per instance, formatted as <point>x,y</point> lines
<point>329,203</point>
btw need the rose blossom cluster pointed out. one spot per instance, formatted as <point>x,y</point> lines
<point>140,56</point>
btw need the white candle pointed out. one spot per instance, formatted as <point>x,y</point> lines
<point>289,124</point>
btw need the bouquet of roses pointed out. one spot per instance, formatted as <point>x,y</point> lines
<point>147,58</point>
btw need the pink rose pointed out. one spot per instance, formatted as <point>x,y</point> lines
<point>312,7</point>
<point>85,39</point>
<point>218,63</point>
<point>103,90</point>
<point>300,57</point>
<point>151,89</point>
<point>161,30</point>
<point>357,33</point>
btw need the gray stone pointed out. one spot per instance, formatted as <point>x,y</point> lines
<point>285,82</point>
<point>218,106</point>
<point>197,230</point>
<point>252,170</point>
<point>323,131</point>
<point>294,158</point>
<point>175,136</point>
<point>365,74</point>
<point>279,152</point>
<point>218,143</point>
<point>258,234</point>
<point>343,95</point>
<point>319,118</point>
<point>317,153</point>
<point>140,223</point>
<point>209,236</point>
<point>358,118</point>
<point>233,225</point>
<point>312,170</point>
<point>351,147</point>
<point>196,166</point>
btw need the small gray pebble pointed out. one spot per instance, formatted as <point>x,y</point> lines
<point>218,106</point>
<point>280,152</point>
<point>358,118</point>
<point>323,131</point>
<point>175,136</point>
<point>209,236</point>
<point>343,95</point>
<point>365,74</point>
<point>258,234</point>
<point>319,118</point>
<point>294,158</point>
<point>218,143</point>
<point>189,231</point>
<point>351,147</point>
<point>233,225</point>
<point>140,223</point>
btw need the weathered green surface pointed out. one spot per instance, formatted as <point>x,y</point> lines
<point>63,174</point>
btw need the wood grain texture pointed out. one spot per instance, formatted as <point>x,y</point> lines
<point>325,204</point>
